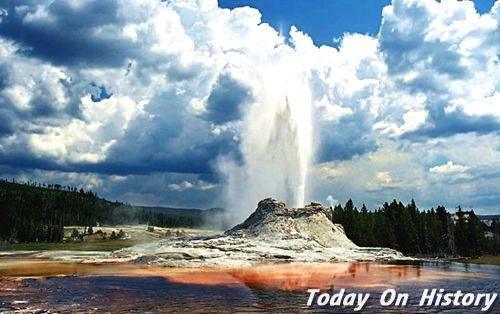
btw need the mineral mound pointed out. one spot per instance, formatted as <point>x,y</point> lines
<point>272,233</point>
<point>273,220</point>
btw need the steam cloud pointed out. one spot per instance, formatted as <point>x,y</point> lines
<point>276,141</point>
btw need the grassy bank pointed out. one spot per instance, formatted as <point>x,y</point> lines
<point>134,234</point>
<point>105,245</point>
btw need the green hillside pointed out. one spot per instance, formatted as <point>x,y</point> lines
<point>33,212</point>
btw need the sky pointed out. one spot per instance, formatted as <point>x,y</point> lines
<point>326,21</point>
<point>163,103</point>
<point>323,20</point>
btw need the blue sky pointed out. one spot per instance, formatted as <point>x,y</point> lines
<point>177,103</point>
<point>325,20</point>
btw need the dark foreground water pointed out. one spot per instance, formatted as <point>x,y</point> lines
<point>41,286</point>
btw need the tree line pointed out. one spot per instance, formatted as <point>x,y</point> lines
<point>418,232</point>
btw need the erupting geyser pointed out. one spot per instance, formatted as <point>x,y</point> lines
<point>276,141</point>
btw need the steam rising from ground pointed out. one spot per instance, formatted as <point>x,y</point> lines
<point>276,141</point>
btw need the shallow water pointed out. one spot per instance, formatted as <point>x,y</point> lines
<point>29,285</point>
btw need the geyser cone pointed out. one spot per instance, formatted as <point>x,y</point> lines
<point>273,233</point>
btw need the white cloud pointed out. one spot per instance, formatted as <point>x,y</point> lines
<point>88,139</point>
<point>449,168</point>
<point>384,180</point>
<point>331,201</point>
<point>181,186</point>
<point>332,112</point>
<point>330,171</point>
<point>18,96</point>
<point>412,120</point>
<point>488,105</point>
<point>384,177</point>
<point>186,185</point>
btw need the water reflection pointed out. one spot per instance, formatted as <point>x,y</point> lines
<point>38,284</point>
<point>286,277</point>
<point>299,277</point>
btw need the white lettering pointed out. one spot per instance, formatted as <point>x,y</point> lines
<point>312,292</point>
<point>427,297</point>
<point>336,300</point>
<point>361,301</point>
<point>350,299</point>
<point>468,299</point>
<point>430,297</point>
<point>383,297</point>
<point>490,298</point>
<point>323,299</point>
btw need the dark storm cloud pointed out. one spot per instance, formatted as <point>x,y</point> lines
<point>42,109</point>
<point>19,159</point>
<point>170,141</point>
<point>6,122</point>
<point>226,100</point>
<point>196,159</point>
<point>179,72</point>
<point>351,137</point>
<point>443,124</point>
<point>403,56</point>
<point>6,116</point>
<point>158,158</point>
<point>153,190</point>
<point>66,35</point>
<point>4,76</point>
